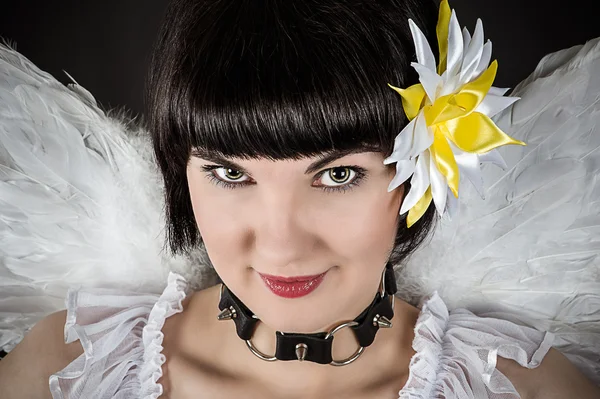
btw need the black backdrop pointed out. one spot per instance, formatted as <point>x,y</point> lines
<point>104,44</point>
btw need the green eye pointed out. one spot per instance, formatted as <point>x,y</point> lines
<point>230,175</point>
<point>233,174</point>
<point>339,176</point>
<point>337,179</point>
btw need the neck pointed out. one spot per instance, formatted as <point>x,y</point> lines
<point>385,361</point>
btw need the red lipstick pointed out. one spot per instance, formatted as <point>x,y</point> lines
<point>292,287</point>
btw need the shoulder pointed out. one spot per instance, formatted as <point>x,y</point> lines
<point>556,377</point>
<point>188,364</point>
<point>25,371</point>
<point>50,333</point>
<point>473,345</point>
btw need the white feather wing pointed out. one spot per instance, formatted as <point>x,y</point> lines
<point>81,203</point>
<point>80,200</point>
<point>533,244</point>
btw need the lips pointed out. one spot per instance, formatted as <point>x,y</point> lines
<point>292,287</point>
<point>291,279</point>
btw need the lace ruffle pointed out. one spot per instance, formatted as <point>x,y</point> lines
<point>122,341</point>
<point>457,352</point>
<point>152,336</point>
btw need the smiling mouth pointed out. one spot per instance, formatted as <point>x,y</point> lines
<point>292,287</point>
<point>291,279</point>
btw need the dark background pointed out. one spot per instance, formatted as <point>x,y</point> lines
<point>105,44</point>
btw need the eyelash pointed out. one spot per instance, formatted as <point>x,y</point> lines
<point>360,175</point>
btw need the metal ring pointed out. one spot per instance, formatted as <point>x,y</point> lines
<point>259,353</point>
<point>248,342</point>
<point>356,354</point>
<point>342,362</point>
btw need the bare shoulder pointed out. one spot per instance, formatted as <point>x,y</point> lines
<point>24,372</point>
<point>556,377</point>
<point>180,342</point>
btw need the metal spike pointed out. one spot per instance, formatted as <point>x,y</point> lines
<point>301,350</point>
<point>227,314</point>
<point>382,322</point>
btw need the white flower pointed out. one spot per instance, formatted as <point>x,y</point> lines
<point>450,131</point>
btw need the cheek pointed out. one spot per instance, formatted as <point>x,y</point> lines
<point>359,229</point>
<point>360,232</point>
<point>370,227</point>
<point>217,222</point>
<point>355,229</point>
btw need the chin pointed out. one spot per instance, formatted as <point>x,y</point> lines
<point>303,316</point>
<point>318,311</point>
<point>312,312</point>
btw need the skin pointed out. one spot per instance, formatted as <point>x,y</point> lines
<point>282,221</point>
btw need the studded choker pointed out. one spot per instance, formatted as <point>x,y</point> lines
<point>315,347</point>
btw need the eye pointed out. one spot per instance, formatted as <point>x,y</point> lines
<point>341,178</point>
<point>230,175</point>
<point>336,176</point>
<point>225,177</point>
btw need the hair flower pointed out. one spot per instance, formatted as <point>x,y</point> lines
<point>450,130</point>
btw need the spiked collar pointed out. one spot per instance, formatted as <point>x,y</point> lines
<point>315,347</point>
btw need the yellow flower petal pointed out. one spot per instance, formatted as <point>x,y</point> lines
<point>417,211</point>
<point>473,93</point>
<point>476,133</point>
<point>412,99</point>
<point>464,102</point>
<point>442,34</point>
<point>442,110</point>
<point>444,160</point>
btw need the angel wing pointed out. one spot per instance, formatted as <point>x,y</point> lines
<point>80,203</point>
<point>80,200</point>
<point>533,245</point>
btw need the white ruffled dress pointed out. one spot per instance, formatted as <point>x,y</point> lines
<point>120,333</point>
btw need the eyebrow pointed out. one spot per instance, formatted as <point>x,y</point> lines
<point>323,160</point>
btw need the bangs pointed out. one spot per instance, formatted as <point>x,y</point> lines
<point>279,123</point>
<point>286,81</point>
<point>279,79</point>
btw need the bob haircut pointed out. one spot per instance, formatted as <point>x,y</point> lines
<point>279,79</point>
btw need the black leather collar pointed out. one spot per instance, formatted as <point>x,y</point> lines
<point>315,347</point>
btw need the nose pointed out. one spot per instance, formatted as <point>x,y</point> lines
<point>282,235</point>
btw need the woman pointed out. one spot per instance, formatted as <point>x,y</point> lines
<point>271,123</point>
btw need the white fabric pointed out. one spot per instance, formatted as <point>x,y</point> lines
<point>81,204</point>
<point>456,351</point>
<point>121,336</point>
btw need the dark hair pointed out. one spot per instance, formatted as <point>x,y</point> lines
<point>280,79</point>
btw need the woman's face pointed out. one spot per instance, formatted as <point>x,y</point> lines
<point>294,218</point>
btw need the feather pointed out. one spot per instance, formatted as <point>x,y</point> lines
<point>81,204</point>
<point>73,210</point>
<point>533,246</point>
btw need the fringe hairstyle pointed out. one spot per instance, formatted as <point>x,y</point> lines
<point>279,79</point>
